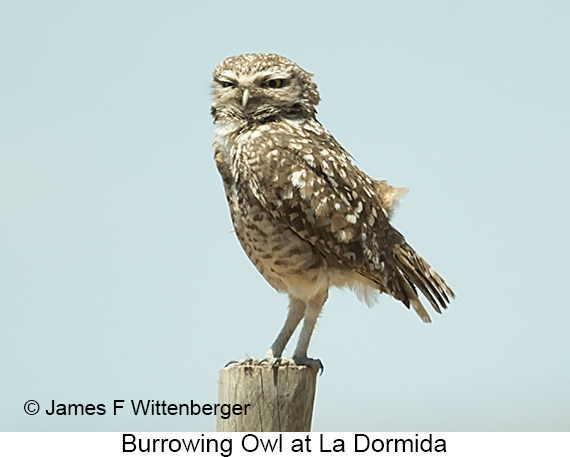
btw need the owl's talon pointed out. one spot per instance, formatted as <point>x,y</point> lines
<point>248,361</point>
<point>310,363</point>
<point>276,362</point>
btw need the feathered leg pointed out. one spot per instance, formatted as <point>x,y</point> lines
<point>296,312</point>
<point>312,312</point>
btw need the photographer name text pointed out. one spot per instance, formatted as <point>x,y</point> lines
<point>147,408</point>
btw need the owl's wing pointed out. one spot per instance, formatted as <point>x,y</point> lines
<point>310,184</point>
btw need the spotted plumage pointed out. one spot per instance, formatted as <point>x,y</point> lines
<point>306,215</point>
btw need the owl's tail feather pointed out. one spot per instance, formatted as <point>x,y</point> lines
<point>418,274</point>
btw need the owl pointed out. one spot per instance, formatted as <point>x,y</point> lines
<point>307,217</point>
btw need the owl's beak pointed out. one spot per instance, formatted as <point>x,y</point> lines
<point>245,98</point>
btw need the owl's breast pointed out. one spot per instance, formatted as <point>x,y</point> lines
<point>289,263</point>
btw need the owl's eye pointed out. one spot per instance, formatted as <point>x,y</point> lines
<point>274,83</point>
<point>226,83</point>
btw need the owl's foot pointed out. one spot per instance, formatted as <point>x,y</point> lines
<point>305,361</point>
<point>248,361</point>
<point>276,361</point>
<point>298,361</point>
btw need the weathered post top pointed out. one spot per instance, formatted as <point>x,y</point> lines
<point>280,398</point>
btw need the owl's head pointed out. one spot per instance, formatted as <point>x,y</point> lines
<point>262,87</point>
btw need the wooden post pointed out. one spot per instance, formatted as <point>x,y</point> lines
<point>280,398</point>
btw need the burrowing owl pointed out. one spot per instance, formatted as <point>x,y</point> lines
<point>305,214</point>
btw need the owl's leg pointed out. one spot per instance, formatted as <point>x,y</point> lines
<point>314,308</point>
<point>296,312</point>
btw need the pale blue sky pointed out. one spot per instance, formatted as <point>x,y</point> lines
<point>120,279</point>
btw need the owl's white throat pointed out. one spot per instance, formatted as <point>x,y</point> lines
<point>224,131</point>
